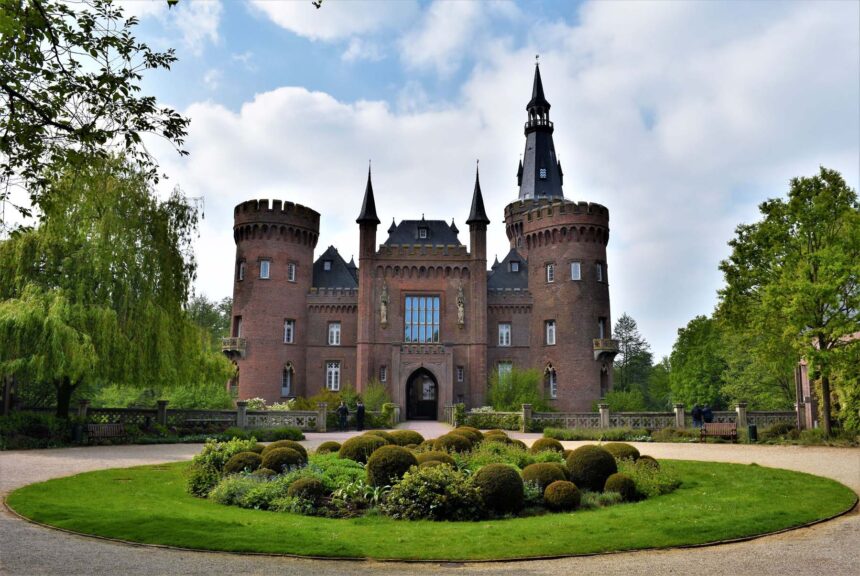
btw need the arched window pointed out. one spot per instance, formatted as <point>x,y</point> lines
<point>287,380</point>
<point>551,381</point>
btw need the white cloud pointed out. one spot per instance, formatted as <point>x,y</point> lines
<point>245,58</point>
<point>359,49</point>
<point>191,22</point>
<point>337,20</point>
<point>212,78</point>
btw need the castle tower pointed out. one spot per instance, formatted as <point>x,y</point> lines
<point>564,243</point>
<point>477,222</point>
<point>273,273</point>
<point>367,222</point>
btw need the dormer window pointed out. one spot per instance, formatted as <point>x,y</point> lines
<point>422,233</point>
<point>543,173</point>
<point>327,265</point>
<point>515,266</point>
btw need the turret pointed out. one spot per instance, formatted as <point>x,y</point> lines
<point>477,222</point>
<point>367,222</point>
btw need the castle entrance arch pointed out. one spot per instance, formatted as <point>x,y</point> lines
<point>422,395</point>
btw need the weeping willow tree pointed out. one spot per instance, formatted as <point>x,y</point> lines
<point>95,294</point>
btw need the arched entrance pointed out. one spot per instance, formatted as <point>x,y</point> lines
<point>422,394</point>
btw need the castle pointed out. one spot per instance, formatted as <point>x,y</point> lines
<point>420,312</point>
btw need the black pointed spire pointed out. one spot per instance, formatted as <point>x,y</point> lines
<point>538,99</point>
<point>520,173</point>
<point>540,175</point>
<point>454,227</point>
<point>477,215</point>
<point>393,226</point>
<point>368,207</point>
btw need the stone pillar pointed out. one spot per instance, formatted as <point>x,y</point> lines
<point>800,410</point>
<point>604,415</point>
<point>680,416</point>
<point>83,406</point>
<point>741,409</point>
<point>322,409</point>
<point>162,412</point>
<point>395,416</point>
<point>242,414</point>
<point>526,423</point>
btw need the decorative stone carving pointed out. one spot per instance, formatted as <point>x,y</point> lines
<point>461,307</point>
<point>383,306</point>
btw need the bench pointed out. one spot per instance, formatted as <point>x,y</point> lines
<point>719,430</point>
<point>111,430</point>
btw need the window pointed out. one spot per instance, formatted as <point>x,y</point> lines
<point>515,266</point>
<point>334,333</point>
<point>552,382</point>
<point>505,369</point>
<point>327,265</point>
<point>543,173</point>
<point>332,376</point>
<point>550,332</point>
<point>575,271</point>
<point>264,269</point>
<point>291,272</point>
<point>240,271</point>
<point>237,327</point>
<point>550,273</point>
<point>383,373</point>
<point>504,334</point>
<point>422,233</point>
<point>287,381</point>
<point>601,328</point>
<point>598,271</point>
<point>289,331</point>
<point>461,373</point>
<point>421,323</point>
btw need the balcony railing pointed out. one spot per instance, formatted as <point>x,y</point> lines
<point>605,346</point>
<point>233,345</point>
<point>537,122</point>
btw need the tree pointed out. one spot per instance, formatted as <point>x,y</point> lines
<point>633,362</point>
<point>94,295</point>
<point>70,89</point>
<point>797,271</point>
<point>697,364</point>
<point>213,317</point>
<point>659,387</point>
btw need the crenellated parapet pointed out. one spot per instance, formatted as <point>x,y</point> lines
<point>276,220</point>
<point>544,221</point>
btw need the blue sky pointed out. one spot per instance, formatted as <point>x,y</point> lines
<point>680,117</point>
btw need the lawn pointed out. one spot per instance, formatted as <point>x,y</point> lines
<point>715,502</point>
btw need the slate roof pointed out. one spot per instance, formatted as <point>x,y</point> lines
<point>477,215</point>
<point>368,206</point>
<point>439,232</point>
<point>500,276</point>
<point>341,275</point>
<point>538,99</point>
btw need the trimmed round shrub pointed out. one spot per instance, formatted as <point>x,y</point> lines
<point>543,444</point>
<point>442,457</point>
<point>467,435</point>
<point>412,447</point>
<point>328,447</point>
<point>307,489</point>
<point>431,464</point>
<point>622,451</point>
<point>291,444</point>
<point>623,484</point>
<point>257,448</point>
<point>501,488</point>
<point>264,472</point>
<point>501,438</point>
<point>519,444</point>
<point>452,443</point>
<point>563,468</point>
<point>590,466</point>
<point>281,459</point>
<point>388,464</point>
<point>561,496</point>
<point>406,437</point>
<point>434,493</point>
<point>427,444</point>
<point>543,474</point>
<point>381,434</point>
<point>242,461</point>
<point>359,448</point>
<point>646,461</point>
<point>565,454</point>
<point>473,434</point>
<point>496,431</point>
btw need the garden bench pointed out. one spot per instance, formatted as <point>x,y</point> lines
<point>719,430</point>
<point>110,430</point>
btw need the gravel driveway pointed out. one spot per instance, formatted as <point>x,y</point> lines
<point>832,548</point>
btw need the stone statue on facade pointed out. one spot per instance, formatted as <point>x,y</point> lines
<point>383,307</point>
<point>461,307</point>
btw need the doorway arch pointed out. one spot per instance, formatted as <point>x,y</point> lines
<point>422,395</point>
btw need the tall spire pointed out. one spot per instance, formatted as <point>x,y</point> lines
<point>540,173</point>
<point>538,99</point>
<point>477,215</point>
<point>368,207</point>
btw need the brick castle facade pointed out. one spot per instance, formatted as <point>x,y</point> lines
<point>420,312</point>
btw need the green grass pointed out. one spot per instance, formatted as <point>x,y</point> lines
<point>716,502</point>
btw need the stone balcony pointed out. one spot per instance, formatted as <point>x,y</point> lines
<point>231,346</point>
<point>605,347</point>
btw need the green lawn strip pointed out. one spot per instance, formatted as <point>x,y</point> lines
<point>716,502</point>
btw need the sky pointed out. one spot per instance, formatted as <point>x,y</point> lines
<point>680,117</point>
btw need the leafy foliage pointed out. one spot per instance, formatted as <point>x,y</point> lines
<point>434,493</point>
<point>509,392</point>
<point>632,365</point>
<point>590,466</point>
<point>698,364</point>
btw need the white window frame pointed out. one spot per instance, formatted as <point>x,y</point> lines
<point>334,333</point>
<point>286,381</point>
<point>332,375</point>
<point>461,373</point>
<point>515,266</point>
<point>289,331</point>
<point>598,271</point>
<point>240,275</point>
<point>422,233</point>
<point>291,271</point>
<point>505,330</point>
<point>504,368</point>
<point>542,173</point>
<point>549,329</point>
<point>265,269</point>
<point>550,273</point>
<point>383,373</point>
<point>553,384</point>
<point>576,270</point>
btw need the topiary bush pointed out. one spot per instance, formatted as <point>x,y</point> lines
<point>328,447</point>
<point>406,437</point>
<point>465,434</point>
<point>443,457</point>
<point>474,434</point>
<point>388,464</point>
<point>561,496</point>
<point>646,461</point>
<point>293,445</point>
<point>563,468</point>
<point>452,443</point>
<point>207,467</point>
<point>501,488</point>
<point>434,493</point>
<point>282,459</point>
<point>519,444</point>
<point>381,434</point>
<point>590,466</point>
<point>543,444</point>
<point>241,462</point>
<point>621,451</point>
<point>623,484</point>
<point>359,448</point>
<point>543,474</point>
<point>431,463</point>
<point>264,472</point>
<point>281,433</point>
<point>311,489</point>
<point>500,438</point>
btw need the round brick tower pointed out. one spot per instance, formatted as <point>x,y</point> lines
<point>273,273</point>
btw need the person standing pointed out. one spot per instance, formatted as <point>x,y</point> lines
<point>697,416</point>
<point>359,416</point>
<point>707,414</point>
<point>342,414</point>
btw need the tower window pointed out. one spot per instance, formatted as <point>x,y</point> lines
<point>550,332</point>
<point>598,271</point>
<point>550,273</point>
<point>286,381</point>
<point>291,272</point>
<point>515,266</point>
<point>383,374</point>
<point>422,233</point>
<point>334,334</point>
<point>327,265</point>
<point>240,272</point>
<point>601,328</point>
<point>421,321</point>
<point>332,375</point>
<point>543,173</point>
<point>552,382</point>
<point>575,271</point>
<point>505,369</point>
<point>504,334</point>
<point>264,269</point>
<point>237,327</point>
<point>289,331</point>
<point>461,373</point>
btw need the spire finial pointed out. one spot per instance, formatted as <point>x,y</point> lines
<point>537,59</point>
